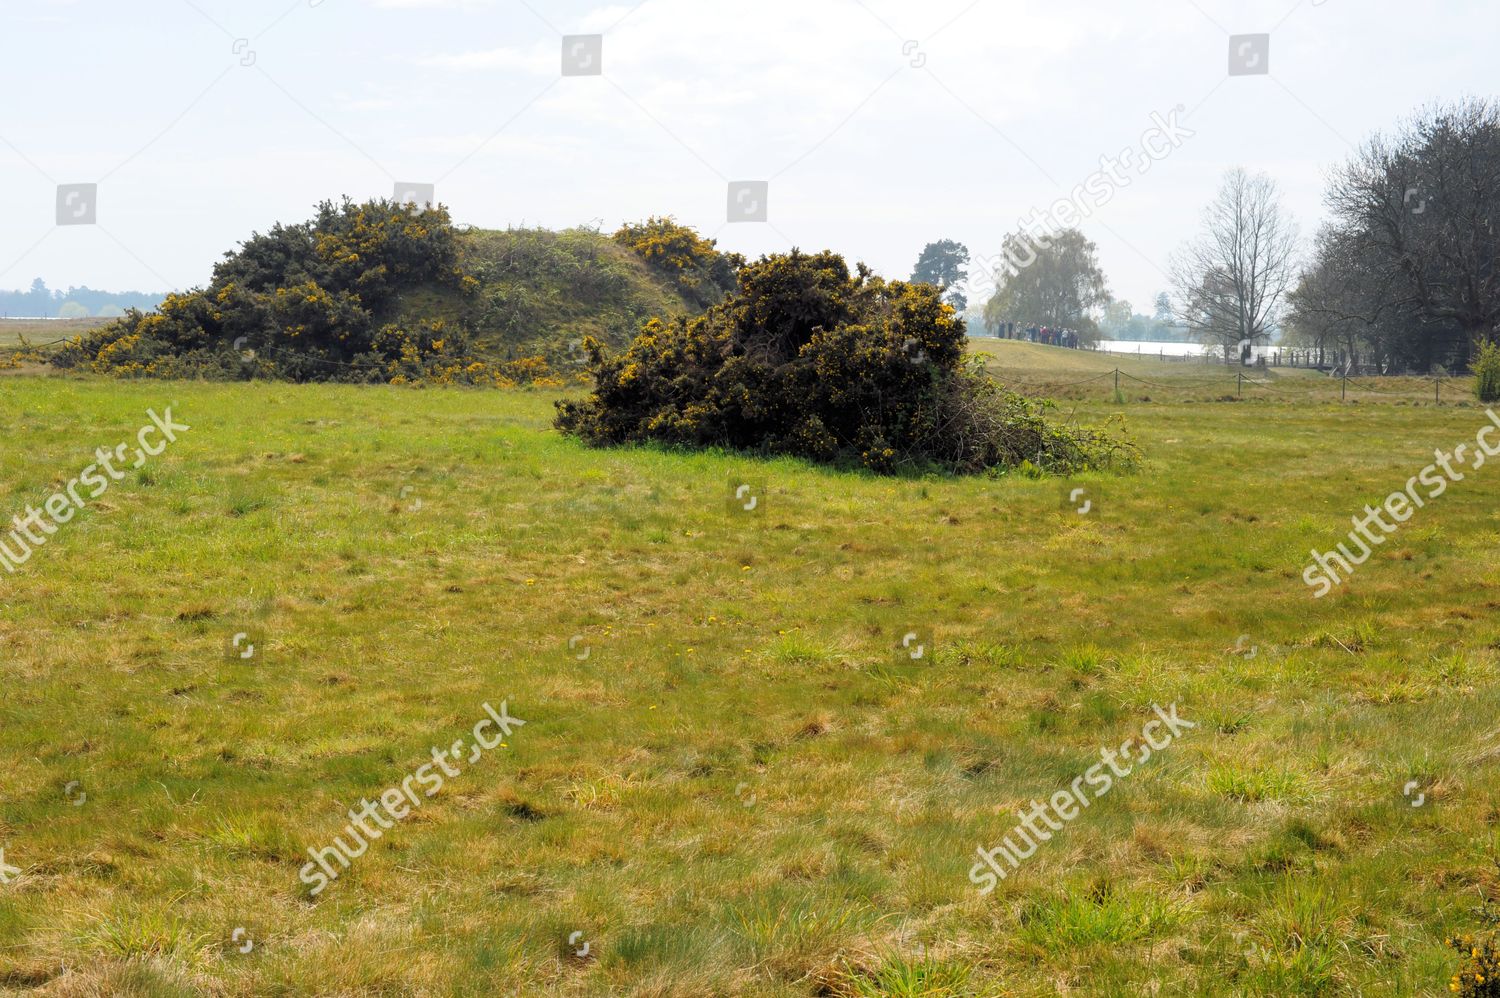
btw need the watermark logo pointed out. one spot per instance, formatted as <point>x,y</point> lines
<point>1035,232</point>
<point>1411,788</point>
<point>744,497</point>
<point>241,940</point>
<point>1331,568</point>
<point>400,799</point>
<point>32,531</point>
<point>416,196</point>
<point>408,491</point>
<point>744,795</point>
<point>1415,193</point>
<point>241,48</point>
<point>579,648</point>
<point>1077,501</point>
<point>583,55</point>
<point>749,200</point>
<point>1244,649</point>
<point>1252,951</point>
<point>1250,55</point>
<point>916,645</point>
<point>246,354</point>
<point>74,794</point>
<point>244,646</point>
<point>77,204</point>
<point>913,50</point>
<point>581,952</point>
<point>1045,819</point>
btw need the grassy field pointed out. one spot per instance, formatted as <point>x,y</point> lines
<point>1083,375</point>
<point>13,332</point>
<point>733,778</point>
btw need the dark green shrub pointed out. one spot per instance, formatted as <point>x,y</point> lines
<point>309,302</point>
<point>808,359</point>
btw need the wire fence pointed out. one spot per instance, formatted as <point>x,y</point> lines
<point>1118,385</point>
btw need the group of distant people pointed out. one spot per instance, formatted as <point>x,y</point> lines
<point>1045,335</point>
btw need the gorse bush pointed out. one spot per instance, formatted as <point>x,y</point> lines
<point>702,275</point>
<point>1478,974</point>
<point>382,292</point>
<point>807,359</point>
<point>316,301</point>
<point>1487,373</point>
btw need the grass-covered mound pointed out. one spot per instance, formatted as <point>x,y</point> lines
<point>542,292</point>
<point>807,359</point>
<point>378,292</point>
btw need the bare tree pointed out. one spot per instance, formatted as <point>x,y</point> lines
<point>1421,210</point>
<point>1333,307</point>
<point>1231,281</point>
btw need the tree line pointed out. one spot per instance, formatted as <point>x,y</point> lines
<point>42,302</point>
<point>1403,277</point>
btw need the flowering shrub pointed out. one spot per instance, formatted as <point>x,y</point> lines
<point>310,302</point>
<point>703,275</point>
<point>808,359</point>
<point>1478,974</point>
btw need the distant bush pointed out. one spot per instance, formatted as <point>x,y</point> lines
<point>1487,373</point>
<point>316,301</point>
<point>702,274</point>
<point>806,359</point>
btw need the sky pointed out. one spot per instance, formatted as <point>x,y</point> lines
<point>878,125</point>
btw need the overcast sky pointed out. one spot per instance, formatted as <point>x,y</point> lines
<point>879,124</point>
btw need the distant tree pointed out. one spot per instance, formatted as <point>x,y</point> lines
<point>945,265</point>
<point>1117,319</point>
<point>1232,280</point>
<point>1336,305</point>
<point>1418,211</point>
<point>1163,315</point>
<point>39,300</point>
<point>1061,288</point>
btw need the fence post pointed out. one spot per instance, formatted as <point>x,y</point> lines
<point>1239,384</point>
<point>1344,386</point>
<point>1437,390</point>
<point>1117,381</point>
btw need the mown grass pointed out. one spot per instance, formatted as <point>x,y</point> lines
<point>746,785</point>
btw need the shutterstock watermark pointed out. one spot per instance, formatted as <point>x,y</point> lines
<point>1036,231</point>
<point>399,800</point>
<point>32,531</point>
<point>1402,506</point>
<point>1070,802</point>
